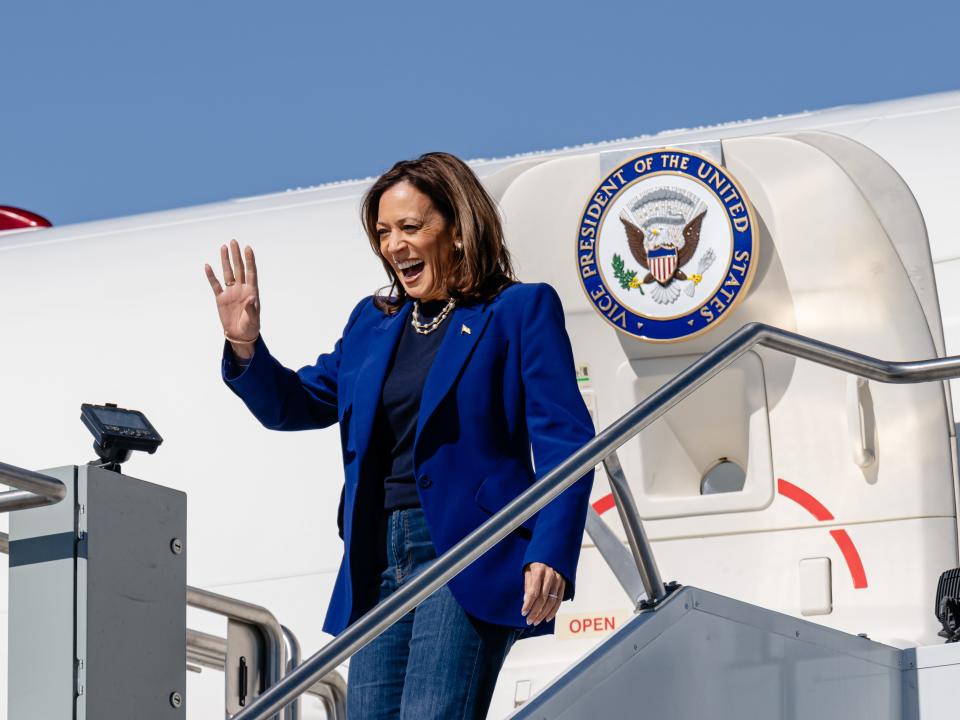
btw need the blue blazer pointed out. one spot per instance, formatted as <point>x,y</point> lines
<point>503,381</point>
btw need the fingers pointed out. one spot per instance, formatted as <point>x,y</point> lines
<point>531,583</point>
<point>555,605</point>
<point>228,277</point>
<point>544,602</point>
<point>251,266</point>
<point>212,279</point>
<point>238,269</point>
<point>543,593</point>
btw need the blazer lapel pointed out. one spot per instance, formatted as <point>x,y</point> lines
<point>466,326</point>
<point>372,373</point>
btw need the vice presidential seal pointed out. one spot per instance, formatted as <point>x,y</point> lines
<point>667,245</point>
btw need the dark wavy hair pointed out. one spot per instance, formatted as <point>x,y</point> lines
<point>475,273</point>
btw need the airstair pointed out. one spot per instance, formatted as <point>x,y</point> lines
<point>687,653</point>
<point>699,655</point>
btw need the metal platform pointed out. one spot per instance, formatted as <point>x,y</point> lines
<point>701,655</point>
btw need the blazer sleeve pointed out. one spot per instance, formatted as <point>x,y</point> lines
<point>558,423</point>
<point>282,399</point>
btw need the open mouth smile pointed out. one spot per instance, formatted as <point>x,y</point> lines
<point>410,269</point>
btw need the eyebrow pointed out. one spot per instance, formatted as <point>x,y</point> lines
<point>403,220</point>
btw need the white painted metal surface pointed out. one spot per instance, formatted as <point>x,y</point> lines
<point>859,249</point>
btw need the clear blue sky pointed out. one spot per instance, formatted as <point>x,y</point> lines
<point>111,108</point>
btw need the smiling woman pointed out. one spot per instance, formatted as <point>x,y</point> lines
<point>441,388</point>
<point>414,239</point>
<point>436,230</point>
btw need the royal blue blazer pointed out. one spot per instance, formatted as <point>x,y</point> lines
<point>502,381</point>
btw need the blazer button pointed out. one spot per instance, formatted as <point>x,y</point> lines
<point>425,481</point>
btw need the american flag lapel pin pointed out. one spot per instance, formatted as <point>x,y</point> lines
<point>464,330</point>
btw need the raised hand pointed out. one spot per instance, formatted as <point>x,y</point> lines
<point>239,303</point>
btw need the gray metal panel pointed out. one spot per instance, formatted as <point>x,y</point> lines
<point>244,642</point>
<point>136,598</point>
<point>40,666</point>
<point>702,655</point>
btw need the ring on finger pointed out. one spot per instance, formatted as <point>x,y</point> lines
<point>231,282</point>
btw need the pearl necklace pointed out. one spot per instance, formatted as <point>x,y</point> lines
<point>426,328</point>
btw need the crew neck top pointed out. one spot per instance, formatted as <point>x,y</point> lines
<point>396,426</point>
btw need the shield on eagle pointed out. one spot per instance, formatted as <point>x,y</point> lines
<point>663,263</point>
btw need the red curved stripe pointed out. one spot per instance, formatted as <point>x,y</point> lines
<point>811,505</point>
<point>852,557</point>
<point>604,504</point>
<point>805,499</point>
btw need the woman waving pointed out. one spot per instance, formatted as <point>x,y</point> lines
<point>441,388</point>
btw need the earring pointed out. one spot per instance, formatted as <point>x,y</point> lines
<point>458,246</point>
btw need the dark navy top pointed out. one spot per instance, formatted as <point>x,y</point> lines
<point>396,424</point>
<point>400,404</point>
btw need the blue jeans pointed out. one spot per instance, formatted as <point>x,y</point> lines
<point>437,661</point>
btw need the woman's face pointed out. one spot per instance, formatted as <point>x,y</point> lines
<point>414,238</point>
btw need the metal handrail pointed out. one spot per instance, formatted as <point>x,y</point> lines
<point>636,537</point>
<point>261,618</point>
<point>210,651</point>
<point>207,650</point>
<point>33,489</point>
<point>445,567</point>
<point>294,656</point>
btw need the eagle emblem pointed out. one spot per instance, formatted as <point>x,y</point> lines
<point>663,233</point>
<point>666,243</point>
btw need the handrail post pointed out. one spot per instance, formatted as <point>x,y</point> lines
<point>259,617</point>
<point>618,558</point>
<point>332,690</point>
<point>293,659</point>
<point>633,527</point>
<point>210,651</point>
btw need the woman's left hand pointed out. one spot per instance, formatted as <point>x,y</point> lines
<point>542,592</point>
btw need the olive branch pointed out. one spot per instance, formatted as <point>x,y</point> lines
<point>626,278</point>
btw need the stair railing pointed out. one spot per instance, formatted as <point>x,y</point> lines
<point>33,489</point>
<point>602,448</point>
<point>210,651</point>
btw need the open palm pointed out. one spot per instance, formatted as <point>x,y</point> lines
<point>239,303</point>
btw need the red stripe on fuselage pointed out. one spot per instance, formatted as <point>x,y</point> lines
<point>811,505</point>
<point>852,557</point>
<point>807,501</point>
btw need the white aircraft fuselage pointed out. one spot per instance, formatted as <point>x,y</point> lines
<point>848,510</point>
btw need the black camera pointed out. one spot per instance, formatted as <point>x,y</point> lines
<point>947,606</point>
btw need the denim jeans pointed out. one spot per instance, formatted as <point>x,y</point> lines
<point>437,662</point>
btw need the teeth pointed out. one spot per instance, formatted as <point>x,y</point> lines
<point>408,263</point>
